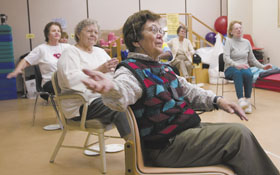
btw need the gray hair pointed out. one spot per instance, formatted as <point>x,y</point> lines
<point>82,24</point>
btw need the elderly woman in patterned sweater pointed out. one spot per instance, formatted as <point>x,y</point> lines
<point>163,103</point>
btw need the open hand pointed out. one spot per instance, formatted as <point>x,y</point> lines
<point>110,65</point>
<point>232,108</point>
<point>97,81</point>
<point>267,66</point>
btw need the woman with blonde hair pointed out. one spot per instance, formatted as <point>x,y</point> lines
<point>238,58</point>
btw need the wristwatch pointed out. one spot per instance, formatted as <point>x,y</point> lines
<point>215,102</point>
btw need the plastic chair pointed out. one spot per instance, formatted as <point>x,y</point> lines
<point>91,126</point>
<point>224,79</point>
<point>249,37</point>
<point>42,93</point>
<point>134,164</point>
<point>258,52</point>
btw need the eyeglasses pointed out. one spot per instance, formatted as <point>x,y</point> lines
<point>154,29</point>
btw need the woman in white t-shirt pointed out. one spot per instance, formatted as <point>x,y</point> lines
<point>45,55</point>
<point>84,55</point>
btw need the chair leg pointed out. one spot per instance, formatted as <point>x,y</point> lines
<point>254,91</point>
<point>102,152</point>
<point>56,111</point>
<point>87,140</point>
<point>223,87</point>
<point>58,145</point>
<point>34,110</point>
<point>217,86</point>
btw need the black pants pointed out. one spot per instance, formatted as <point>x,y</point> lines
<point>47,87</point>
<point>97,110</point>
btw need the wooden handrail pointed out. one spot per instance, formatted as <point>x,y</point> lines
<point>190,28</point>
<point>204,40</point>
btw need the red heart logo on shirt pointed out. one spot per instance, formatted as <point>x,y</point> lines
<point>57,55</point>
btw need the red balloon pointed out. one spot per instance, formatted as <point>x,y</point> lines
<point>221,25</point>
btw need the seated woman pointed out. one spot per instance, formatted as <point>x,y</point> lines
<point>170,131</point>
<point>84,55</point>
<point>238,57</point>
<point>45,55</point>
<point>182,51</point>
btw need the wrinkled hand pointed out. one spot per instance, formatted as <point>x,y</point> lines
<point>267,66</point>
<point>110,65</point>
<point>242,66</point>
<point>97,81</point>
<point>231,108</point>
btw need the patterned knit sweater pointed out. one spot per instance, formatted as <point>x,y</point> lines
<point>161,112</point>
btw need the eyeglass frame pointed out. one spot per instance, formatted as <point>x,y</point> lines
<point>155,30</point>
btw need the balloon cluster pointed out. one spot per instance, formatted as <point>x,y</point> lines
<point>220,26</point>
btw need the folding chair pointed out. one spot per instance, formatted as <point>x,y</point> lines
<point>224,79</point>
<point>134,164</point>
<point>92,127</point>
<point>40,92</point>
<point>258,52</point>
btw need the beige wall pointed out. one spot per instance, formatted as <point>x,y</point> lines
<point>241,10</point>
<point>110,14</point>
<point>260,20</point>
<point>266,32</point>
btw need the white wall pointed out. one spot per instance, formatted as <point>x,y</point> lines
<point>242,11</point>
<point>266,32</point>
<point>260,19</point>
<point>205,10</point>
<point>42,12</point>
<point>112,14</point>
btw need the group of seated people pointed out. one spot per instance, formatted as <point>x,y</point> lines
<point>172,134</point>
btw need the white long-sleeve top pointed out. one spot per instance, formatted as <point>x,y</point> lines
<point>69,71</point>
<point>127,90</point>
<point>239,51</point>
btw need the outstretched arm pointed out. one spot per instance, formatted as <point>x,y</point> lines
<point>97,82</point>
<point>20,67</point>
<point>232,108</point>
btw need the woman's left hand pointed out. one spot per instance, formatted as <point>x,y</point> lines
<point>108,66</point>
<point>267,66</point>
<point>232,108</point>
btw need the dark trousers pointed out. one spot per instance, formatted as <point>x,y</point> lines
<point>47,87</point>
<point>242,77</point>
<point>231,144</point>
<point>97,110</point>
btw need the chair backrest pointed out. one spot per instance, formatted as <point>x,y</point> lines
<point>57,92</point>
<point>221,63</point>
<point>38,78</point>
<point>249,37</point>
<point>134,127</point>
<point>55,84</point>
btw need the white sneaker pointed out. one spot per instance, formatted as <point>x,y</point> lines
<point>248,110</point>
<point>243,103</point>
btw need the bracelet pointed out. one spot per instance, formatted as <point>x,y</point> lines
<point>215,102</point>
